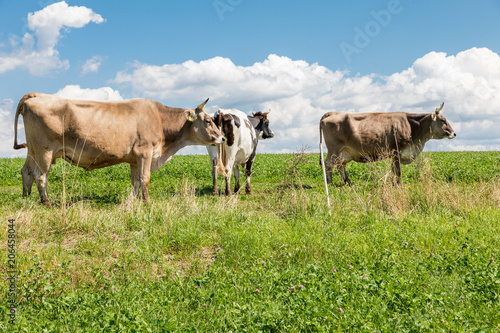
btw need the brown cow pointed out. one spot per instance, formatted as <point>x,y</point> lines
<point>90,134</point>
<point>368,137</point>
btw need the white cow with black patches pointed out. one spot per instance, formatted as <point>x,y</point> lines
<point>242,133</point>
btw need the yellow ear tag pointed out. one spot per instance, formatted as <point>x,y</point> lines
<point>190,118</point>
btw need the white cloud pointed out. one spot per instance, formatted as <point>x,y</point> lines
<point>462,147</point>
<point>48,22</point>
<point>220,78</point>
<point>299,93</point>
<point>100,94</point>
<point>92,65</point>
<point>7,113</point>
<point>46,25</point>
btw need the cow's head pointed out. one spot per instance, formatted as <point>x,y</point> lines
<point>217,119</point>
<point>263,126</point>
<point>227,124</point>
<point>203,130</point>
<point>440,128</point>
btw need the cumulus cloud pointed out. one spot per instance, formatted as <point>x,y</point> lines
<point>92,65</point>
<point>220,78</point>
<point>299,93</point>
<point>7,113</point>
<point>46,25</point>
<point>100,94</point>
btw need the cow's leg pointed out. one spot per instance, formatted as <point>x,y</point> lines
<point>134,175</point>
<point>215,167</point>
<point>41,176</point>
<point>228,181</point>
<point>228,167</point>
<point>236,171</point>
<point>248,175</point>
<point>396,168</point>
<point>329,168</point>
<point>343,173</point>
<point>144,167</point>
<point>28,173</point>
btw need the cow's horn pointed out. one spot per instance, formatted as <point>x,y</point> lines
<point>202,105</point>
<point>267,112</point>
<point>440,108</point>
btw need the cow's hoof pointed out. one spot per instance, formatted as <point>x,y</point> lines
<point>46,203</point>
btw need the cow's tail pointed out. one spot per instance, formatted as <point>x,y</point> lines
<point>222,160</point>
<point>322,161</point>
<point>20,111</point>
<point>221,152</point>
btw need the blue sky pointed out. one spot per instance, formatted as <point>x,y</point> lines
<point>298,58</point>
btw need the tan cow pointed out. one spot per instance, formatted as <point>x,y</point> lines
<point>90,134</point>
<point>368,137</point>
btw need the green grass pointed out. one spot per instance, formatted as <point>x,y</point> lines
<point>415,257</point>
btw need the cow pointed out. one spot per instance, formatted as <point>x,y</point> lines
<point>92,135</point>
<point>242,133</point>
<point>368,137</point>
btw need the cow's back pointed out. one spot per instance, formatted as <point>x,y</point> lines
<point>98,133</point>
<point>336,128</point>
<point>364,136</point>
<point>244,136</point>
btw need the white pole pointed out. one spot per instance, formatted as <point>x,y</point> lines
<point>323,165</point>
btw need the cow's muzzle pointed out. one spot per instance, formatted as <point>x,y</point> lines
<point>219,141</point>
<point>452,135</point>
<point>268,135</point>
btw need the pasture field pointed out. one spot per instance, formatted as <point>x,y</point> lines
<point>422,256</point>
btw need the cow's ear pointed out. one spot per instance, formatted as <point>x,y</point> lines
<point>218,118</point>
<point>434,115</point>
<point>191,115</point>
